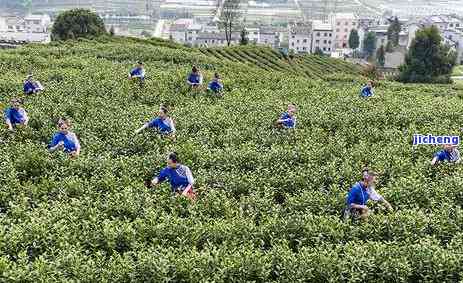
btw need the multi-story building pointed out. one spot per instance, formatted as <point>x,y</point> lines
<point>300,38</point>
<point>253,34</point>
<point>37,23</point>
<point>269,36</point>
<point>455,39</point>
<point>322,37</point>
<point>343,23</point>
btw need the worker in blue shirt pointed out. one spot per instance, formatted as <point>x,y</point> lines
<point>179,176</point>
<point>138,72</point>
<point>215,85</point>
<point>32,86</point>
<point>360,193</point>
<point>449,153</point>
<point>65,139</point>
<point>367,91</point>
<point>195,78</point>
<point>163,123</point>
<point>288,118</point>
<point>15,115</point>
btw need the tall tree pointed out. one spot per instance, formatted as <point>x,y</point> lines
<point>393,32</point>
<point>354,39</point>
<point>428,60</point>
<point>230,14</point>
<point>381,56</point>
<point>77,23</point>
<point>244,40</point>
<point>369,44</point>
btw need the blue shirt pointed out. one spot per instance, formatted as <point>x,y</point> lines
<point>139,72</point>
<point>29,87</point>
<point>366,92</point>
<point>71,143</point>
<point>443,155</point>
<point>179,178</point>
<point>288,121</point>
<point>215,86</point>
<point>165,126</point>
<point>357,195</point>
<point>16,116</point>
<point>194,78</point>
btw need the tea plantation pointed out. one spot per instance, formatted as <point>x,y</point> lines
<point>269,201</point>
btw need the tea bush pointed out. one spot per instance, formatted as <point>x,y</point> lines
<point>269,201</point>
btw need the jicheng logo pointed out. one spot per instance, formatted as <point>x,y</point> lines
<point>430,139</point>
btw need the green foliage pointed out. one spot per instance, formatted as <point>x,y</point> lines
<point>369,44</point>
<point>389,47</point>
<point>77,23</point>
<point>230,15</point>
<point>146,34</point>
<point>268,59</point>
<point>112,31</point>
<point>428,59</point>
<point>381,56</point>
<point>354,39</point>
<point>244,37</point>
<point>393,32</point>
<point>269,201</point>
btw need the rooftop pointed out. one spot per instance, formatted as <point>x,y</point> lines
<point>319,25</point>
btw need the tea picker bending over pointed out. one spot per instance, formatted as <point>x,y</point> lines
<point>449,153</point>
<point>367,91</point>
<point>15,115</point>
<point>65,139</point>
<point>195,78</point>
<point>138,72</point>
<point>215,85</point>
<point>288,118</point>
<point>179,176</point>
<point>32,86</point>
<point>163,123</point>
<point>360,193</point>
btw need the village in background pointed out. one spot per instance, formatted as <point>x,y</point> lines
<point>292,26</point>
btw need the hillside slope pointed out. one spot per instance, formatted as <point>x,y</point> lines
<point>268,59</point>
<point>269,201</point>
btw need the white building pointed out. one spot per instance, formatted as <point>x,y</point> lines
<point>300,38</point>
<point>37,23</point>
<point>443,22</point>
<point>33,28</point>
<point>253,35</point>
<point>269,37</point>
<point>323,37</point>
<point>192,33</point>
<point>381,35</point>
<point>455,38</point>
<point>3,26</point>
<point>177,32</point>
<point>343,23</point>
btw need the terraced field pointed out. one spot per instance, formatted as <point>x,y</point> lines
<point>270,60</point>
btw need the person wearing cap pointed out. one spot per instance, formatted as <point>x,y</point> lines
<point>15,115</point>
<point>138,72</point>
<point>215,85</point>
<point>179,176</point>
<point>288,118</point>
<point>65,139</point>
<point>195,78</point>
<point>360,193</point>
<point>32,86</point>
<point>449,153</point>
<point>367,91</point>
<point>163,123</point>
